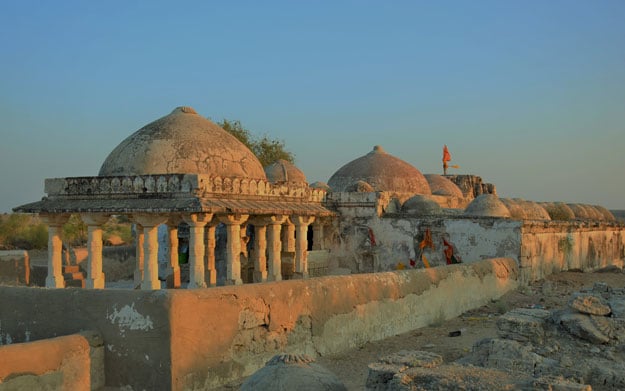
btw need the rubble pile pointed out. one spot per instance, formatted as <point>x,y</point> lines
<point>580,347</point>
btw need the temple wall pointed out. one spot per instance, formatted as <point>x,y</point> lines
<point>197,339</point>
<point>551,247</point>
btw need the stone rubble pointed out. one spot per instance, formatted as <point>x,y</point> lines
<point>581,347</point>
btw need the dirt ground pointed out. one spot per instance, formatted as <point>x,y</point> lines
<point>553,292</point>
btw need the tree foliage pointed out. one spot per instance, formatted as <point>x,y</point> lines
<point>266,149</point>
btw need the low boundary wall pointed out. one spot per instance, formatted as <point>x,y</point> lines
<point>204,338</point>
<point>73,362</point>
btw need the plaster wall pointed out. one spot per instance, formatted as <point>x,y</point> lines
<point>73,362</point>
<point>134,326</point>
<point>224,333</point>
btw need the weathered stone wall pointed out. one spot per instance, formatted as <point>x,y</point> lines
<point>196,339</point>
<point>551,247</point>
<point>134,326</point>
<point>14,267</point>
<point>224,333</point>
<point>74,362</point>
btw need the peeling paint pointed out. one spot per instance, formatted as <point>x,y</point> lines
<point>128,318</point>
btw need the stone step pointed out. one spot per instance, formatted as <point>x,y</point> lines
<point>71,269</point>
<point>74,276</point>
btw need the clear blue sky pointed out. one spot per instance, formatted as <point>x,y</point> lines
<point>530,95</point>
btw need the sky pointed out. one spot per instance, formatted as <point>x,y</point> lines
<point>529,95</point>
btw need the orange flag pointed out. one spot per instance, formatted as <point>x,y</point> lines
<point>446,154</point>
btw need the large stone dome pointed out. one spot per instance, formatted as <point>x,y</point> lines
<point>384,172</point>
<point>182,142</point>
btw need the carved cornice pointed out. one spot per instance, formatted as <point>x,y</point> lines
<point>172,185</point>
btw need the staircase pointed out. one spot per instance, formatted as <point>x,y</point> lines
<point>73,276</point>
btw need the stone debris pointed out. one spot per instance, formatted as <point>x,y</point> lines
<point>286,372</point>
<point>523,324</point>
<point>578,348</point>
<point>590,304</point>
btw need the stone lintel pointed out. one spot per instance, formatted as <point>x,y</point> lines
<point>94,219</point>
<point>54,220</point>
<point>150,220</point>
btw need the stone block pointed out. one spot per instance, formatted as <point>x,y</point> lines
<point>14,267</point>
<point>523,325</point>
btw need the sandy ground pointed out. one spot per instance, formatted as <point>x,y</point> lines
<point>554,292</point>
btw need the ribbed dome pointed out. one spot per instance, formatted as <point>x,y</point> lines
<point>383,172</point>
<point>182,142</point>
<point>439,185</point>
<point>284,171</point>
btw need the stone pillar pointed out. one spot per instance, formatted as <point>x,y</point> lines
<point>95,276</point>
<point>274,261</point>
<point>301,245</point>
<point>318,235</point>
<point>260,248</point>
<point>55,248</point>
<point>288,236</point>
<point>211,270</point>
<point>233,250</point>
<point>139,255</point>
<point>173,267</point>
<point>196,222</point>
<point>150,223</point>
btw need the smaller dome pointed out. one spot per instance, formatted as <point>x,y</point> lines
<point>514,207</point>
<point>534,211</point>
<point>284,171</point>
<point>580,212</point>
<point>559,211</point>
<point>360,187</point>
<point>421,206</point>
<point>383,171</point>
<point>487,205</point>
<point>286,372</point>
<point>607,215</point>
<point>443,186</point>
<point>593,212</point>
<point>320,185</point>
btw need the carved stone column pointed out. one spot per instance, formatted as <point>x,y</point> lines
<point>301,245</point>
<point>95,276</point>
<point>318,235</point>
<point>150,223</point>
<point>260,248</point>
<point>55,248</point>
<point>233,251</point>
<point>196,222</point>
<point>274,261</point>
<point>288,236</point>
<point>211,270</point>
<point>174,266</point>
<point>139,255</point>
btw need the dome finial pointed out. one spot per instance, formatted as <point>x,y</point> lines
<point>378,149</point>
<point>184,109</point>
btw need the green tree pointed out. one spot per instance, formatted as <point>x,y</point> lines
<point>267,150</point>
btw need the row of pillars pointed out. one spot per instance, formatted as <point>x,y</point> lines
<point>202,271</point>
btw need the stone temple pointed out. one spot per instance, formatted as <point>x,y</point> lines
<point>277,264</point>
